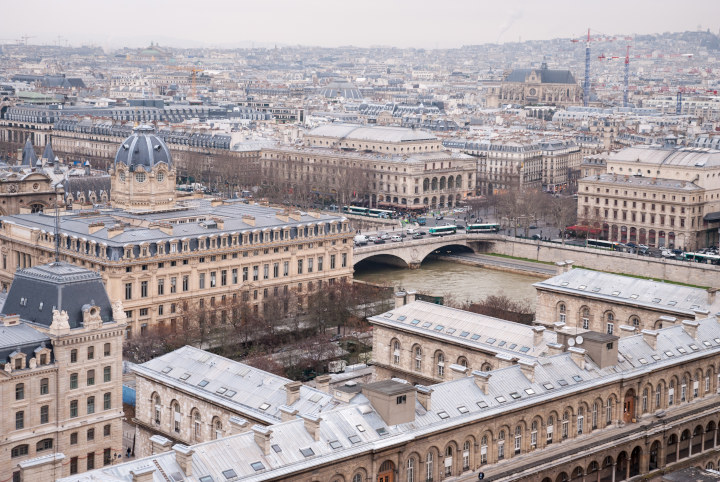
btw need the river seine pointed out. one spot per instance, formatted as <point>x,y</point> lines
<point>461,282</point>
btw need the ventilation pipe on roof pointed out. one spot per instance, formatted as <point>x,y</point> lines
<point>262,438</point>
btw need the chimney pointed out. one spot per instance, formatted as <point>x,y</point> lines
<point>312,425</point>
<point>287,413</point>
<point>249,220</point>
<point>700,314</point>
<point>568,265</point>
<point>143,474</point>
<point>559,267</point>
<point>555,348</point>
<point>711,293</point>
<point>482,379</point>
<point>399,299</point>
<point>160,444</point>
<point>650,337</point>
<point>238,424</point>
<point>322,383</point>
<point>183,457</point>
<point>262,438</point>
<point>410,296</point>
<point>424,396</point>
<point>538,337</point>
<point>458,371</point>
<point>528,369</point>
<point>578,356</point>
<point>505,360</point>
<point>292,390</point>
<point>690,328</point>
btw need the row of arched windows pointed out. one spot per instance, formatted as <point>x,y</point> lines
<point>607,323</point>
<point>439,359</point>
<point>176,420</point>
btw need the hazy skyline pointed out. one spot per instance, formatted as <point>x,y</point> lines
<point>418,23</point>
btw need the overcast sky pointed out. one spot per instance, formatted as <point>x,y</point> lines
<point>402,23</point>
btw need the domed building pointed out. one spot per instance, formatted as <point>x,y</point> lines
<point>143,175</point>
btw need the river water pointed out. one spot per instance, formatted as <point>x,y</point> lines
<point>460,281</point>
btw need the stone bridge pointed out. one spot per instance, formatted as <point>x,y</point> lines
<point>411,252</point>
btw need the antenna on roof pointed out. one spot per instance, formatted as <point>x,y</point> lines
<point>57,222</point>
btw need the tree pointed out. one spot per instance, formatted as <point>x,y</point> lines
<point>563,213</point>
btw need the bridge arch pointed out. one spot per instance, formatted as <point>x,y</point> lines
<point>412,253</point>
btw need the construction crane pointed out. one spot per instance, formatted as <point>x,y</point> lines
<point>586,84</point>
<point>25,38</point>
<point>193,78</point>
<point>626,76</point>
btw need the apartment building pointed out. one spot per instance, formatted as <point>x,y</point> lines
<point>61,389</point>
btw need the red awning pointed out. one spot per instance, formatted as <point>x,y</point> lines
<point>584,229</point>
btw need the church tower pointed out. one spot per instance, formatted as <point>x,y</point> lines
<point>143,175</point>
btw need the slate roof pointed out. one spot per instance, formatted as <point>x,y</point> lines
<point>669,156</point>
<point>616,288</point>
<point>36,291</point>
<point>238,387</point>
<point>372,133</point>
<point>354,429</point>
<point>48,153</point>
<point>143,148</point>
<point>29,158</point>
<point>475,331</point>
<point>547,76</point>
<point>660,184</point>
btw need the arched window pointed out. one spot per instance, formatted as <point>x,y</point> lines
<point>197,425</point>
<point>418,358</point>
<point>533,435</point>
<point>610,322</point>
<point>462,361</point>
<point>608,412</point>
<point>550,428</point>
<point>501,445</point>
<point>176,417</point>
<point>708,374</point>
<point>658,396</point>
<point>696,386</point>
<point>44,444</point>
<point>357,478</point>
<point>483,449</point>
<point>411,469</point>
<point>671,393</point>
<point>683,390</point>
<point>561,313</point>
<point>157,407</point>
<point>429,466</point>
<point>518,439</point>
<point>440,358</point>
<point>396,352</point>
<point>565,424</point>
<point>466,455</point>
<point>217,428</point>
<point>580,420</point>
<point>595,415</point>
<point>645,400</point>
<point>20,450</point>
<point>585,318</point>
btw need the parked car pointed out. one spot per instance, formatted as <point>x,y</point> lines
<point>417,236</point>
<point>439,217</point>
<point>396,239</point>
<point>379,241</point>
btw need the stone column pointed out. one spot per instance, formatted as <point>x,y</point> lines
<point>613,471</point>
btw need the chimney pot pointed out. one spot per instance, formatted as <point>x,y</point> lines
<point>410,296</point>
<point>712,293</point>
<point>528,369</point>
<point>555,348</point>
<point>538,338</point>
<point>287,413</point>
<point>312,425</point>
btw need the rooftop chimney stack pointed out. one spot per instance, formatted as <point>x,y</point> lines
<point>650,337</point>
<point>143,474</point>
<point>690,328</point>
<point>712,292</point>
<point>424,396</point>
<point>482,380</point>
<point>399,299</point>
<point>577,355</point>
<point>528,369</point>
<point>312,425</point>
<point>555,348</point>
<point>183,457</point>
<point>292,390</point>
<point>287,413</point>
<point>410,296</point>
<point>538,338</point>
<point>322,383</point>
<point>262,438</point>
<point>238,424</point>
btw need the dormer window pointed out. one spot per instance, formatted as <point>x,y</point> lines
<point>18,363</point>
